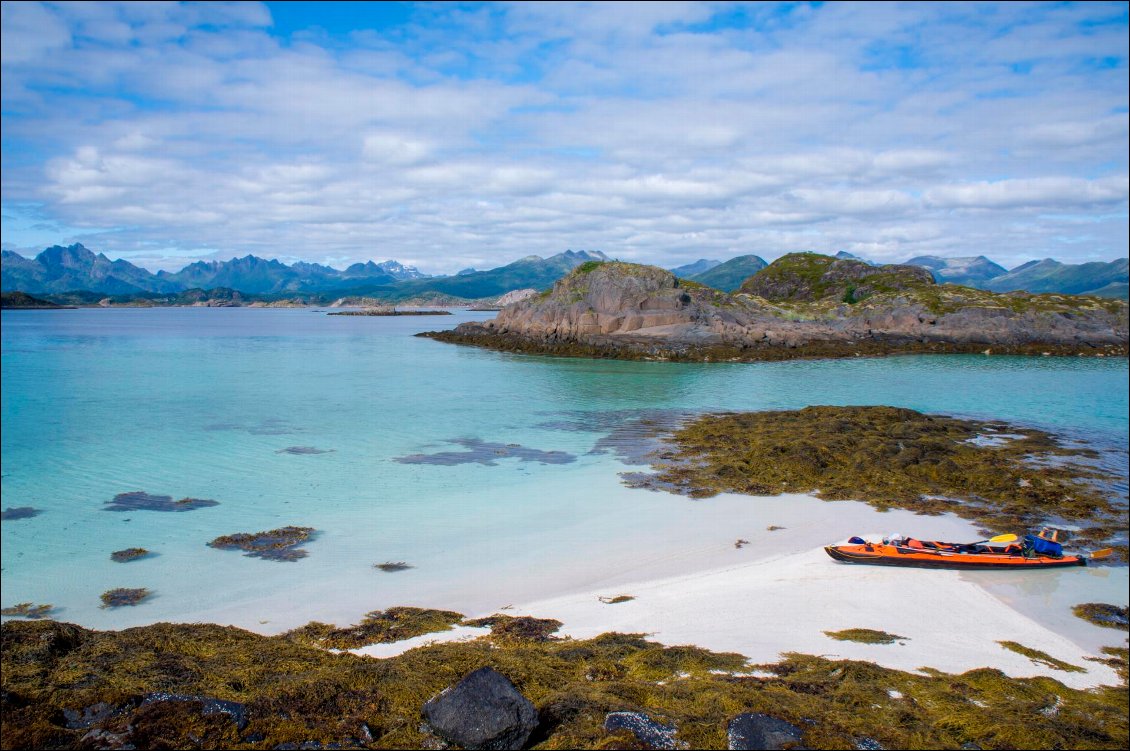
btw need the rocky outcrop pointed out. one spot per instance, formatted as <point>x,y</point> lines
<point>809,277</point>
<point>761,731</point>
<point>803,305</point>
<point>514,296</point>
<point>482,711</point>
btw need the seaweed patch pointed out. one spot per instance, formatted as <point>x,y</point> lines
<point>129,554</point>
<point>19,512</point>
<point>487,453</point>
<point>892,457</point>
<point>300,697</point>
<point>1041,658</point>
<point>390,567</point>
<point>273,545</point>
<point>139,500</point>
<point>377,627</point>
<point>1103,614</point>
<point>864,636</point>
<point>303,450</point>
<point>28,610</point>
<point>121,597</point>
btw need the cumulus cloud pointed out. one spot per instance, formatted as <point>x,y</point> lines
<point>657,132</point>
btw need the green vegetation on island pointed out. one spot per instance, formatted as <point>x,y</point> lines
<point>803,305</point>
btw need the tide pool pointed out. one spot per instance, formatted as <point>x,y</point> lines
<point>473,467</point>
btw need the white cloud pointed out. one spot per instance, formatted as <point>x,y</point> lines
<point>1047,192</point>
<point>480,135</point>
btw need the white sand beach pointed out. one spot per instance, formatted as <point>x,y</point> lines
<point>781,592</point>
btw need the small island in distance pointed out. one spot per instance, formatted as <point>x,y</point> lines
<point>803,305</point>
<point>389,312</point>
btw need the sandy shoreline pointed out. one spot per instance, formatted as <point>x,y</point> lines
<point>781,594</point>
<point>691,585</point>
<point>782,604</point>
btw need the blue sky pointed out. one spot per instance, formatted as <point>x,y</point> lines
<point>449,135</point>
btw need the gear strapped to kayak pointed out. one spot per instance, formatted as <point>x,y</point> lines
<point>1001,552</point>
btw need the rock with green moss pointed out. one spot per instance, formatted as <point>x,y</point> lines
<point>802,305</point>
<point>808,277</point>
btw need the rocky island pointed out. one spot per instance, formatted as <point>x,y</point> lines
<point>802,305</point>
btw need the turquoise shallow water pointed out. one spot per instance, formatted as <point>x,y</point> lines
<point>203,403</point>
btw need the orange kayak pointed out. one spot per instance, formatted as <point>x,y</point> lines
<point>948,555</point>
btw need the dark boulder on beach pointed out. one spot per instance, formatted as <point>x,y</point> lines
<point>482,711</point>
<point>761,731</point>
<point>649,732</point>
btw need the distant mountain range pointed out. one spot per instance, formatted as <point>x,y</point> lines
<point>58,270</point>
<point>729,276</point>
<point>75,269</point>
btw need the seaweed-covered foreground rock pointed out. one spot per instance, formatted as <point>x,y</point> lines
<point>62,683</point>
<point>801,305</point>
<point>482,711</point>
<point>1003,476</point>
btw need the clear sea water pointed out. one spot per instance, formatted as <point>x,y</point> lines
<point>202,403</point>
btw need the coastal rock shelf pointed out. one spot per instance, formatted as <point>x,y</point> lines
<point>223,687</point>
<point>390,312</point>
<point>801,306</point>
<point>1005,477</point>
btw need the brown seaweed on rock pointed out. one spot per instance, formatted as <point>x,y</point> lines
<point>1103,614</point>
<point>129,554</point>
<point>121,597</point>
<point>293,696</point>
<point>377,627</point>
<point>891,457</point>
<point>28,610</point>
<point>273,545</point>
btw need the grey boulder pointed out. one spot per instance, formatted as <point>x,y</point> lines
<point>760,731</point>
<point>482,711</point>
